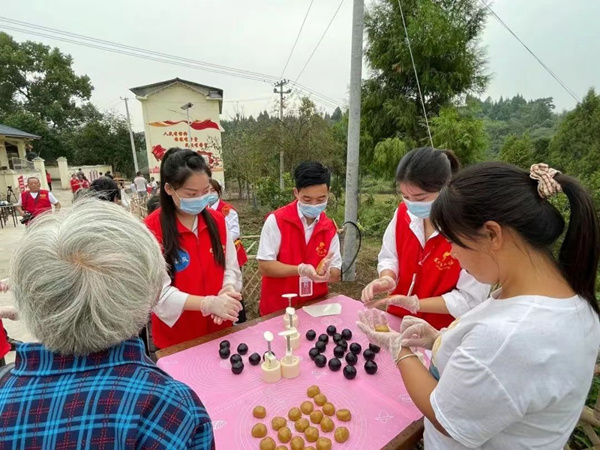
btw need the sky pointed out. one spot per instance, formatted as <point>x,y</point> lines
<point>258,36</point>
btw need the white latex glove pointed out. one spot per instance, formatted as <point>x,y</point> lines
<point>4,285</point>
<point>308,271</point>
<point>8,312</point>
<point>223,306</point>
<point>324,266</point>
<point>418,333</point>
<point>229,289</point>
<point>377,286</point>
<point>412,303</point>
<point>389,340</point>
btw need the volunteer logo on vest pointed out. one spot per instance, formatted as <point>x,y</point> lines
<point>183,261</point>
<point>226,210</point>
<point>321,250</point>
<point>445,262</point>
<point>42,195</point>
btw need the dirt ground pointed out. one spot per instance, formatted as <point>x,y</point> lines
<point>251,222</point>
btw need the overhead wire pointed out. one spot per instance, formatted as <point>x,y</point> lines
<point>558,80</point>
<point>297,37</point>
<point>416,74</point>
<point>320,40</point>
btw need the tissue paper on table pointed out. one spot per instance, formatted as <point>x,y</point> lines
<point>330,309</point>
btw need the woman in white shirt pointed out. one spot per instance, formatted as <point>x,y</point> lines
<point>512,373</point>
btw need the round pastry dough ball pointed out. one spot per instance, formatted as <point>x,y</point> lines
<point>281,447</point>
<point>316,416</point>
<point>278,422</point>
<point>301,425</point>
<point>309,448</point>
<point>312,434</point>
<point>259,430</point>
<point>382,328</point>
<point>284,435</point>
<point>320,399</point>
<point>341,434</point>
<point>259,412</point>
<point>324,444</point>
<point>306,407</point>
<point>344,415</point>
<point>312,391</point>
<point>328,409</point>
<point>297,443</point>
<point>294,414</point>
<point>327,425</point>
<point>267,444</point>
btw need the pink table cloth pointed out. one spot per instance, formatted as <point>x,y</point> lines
<point>379,403</point>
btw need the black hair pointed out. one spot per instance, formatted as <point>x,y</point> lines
<point>105,188</point>
<point>505,194</point>
<point>176,167</point>
<point>153,203</point>
<point>311,173</point>
<point>139,174</point>
<point>217,187</point>
<point>427,168</point>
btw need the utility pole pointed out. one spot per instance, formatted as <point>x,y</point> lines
<point>187,107</point>
<point>352,156</point>
<point>135,161</point>
<point>281,93</point>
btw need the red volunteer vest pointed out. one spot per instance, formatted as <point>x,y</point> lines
<point>4,345</point>
<point>242,257</point>
<point>294,251</point>
<point>436,271</point>
<point>197,273</point>
<point>38,205</point>
<point>75,185</point>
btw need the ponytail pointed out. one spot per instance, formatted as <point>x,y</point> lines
<point>580,250</point>
<point>428,168</point>
<point>454,162</point>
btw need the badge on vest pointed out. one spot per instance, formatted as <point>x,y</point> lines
<point>305,287</point>
<point>183,261</point>
<point>321,250</point>
<point>445,262</point>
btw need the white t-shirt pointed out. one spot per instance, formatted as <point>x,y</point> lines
<point>140,184</point>
<point>514,374</point>
<point>34,195</point>
<point>270,240</point>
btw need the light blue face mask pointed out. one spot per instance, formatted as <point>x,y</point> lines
<point>212,198</point>
<point>194,205</point>
<point>312,211</point>
<point>419,209</point>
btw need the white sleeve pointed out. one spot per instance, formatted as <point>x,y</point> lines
<point>468,294</point>
<point>52,198</point>
<point>470,402</point>
<point>334,248</point>
<point>19,200</point>
<point>388,256</point>
<point>270,240</point>
<point>233,224</point>
<point>233,274</point>
<point>170,304</point>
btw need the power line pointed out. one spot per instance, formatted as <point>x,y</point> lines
<point>319,43</point>
<point>416,74</point>
<point>297,37</point>
<point>558,80</point>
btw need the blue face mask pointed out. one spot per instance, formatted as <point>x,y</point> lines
<point>212,198</point>
<point>311,211</point>
<point>194,205</point>
<point>419,209</point>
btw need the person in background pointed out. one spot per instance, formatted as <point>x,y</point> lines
<point>132,189</point>
<point>99,174</point>
<point>141,185</point>
<point>415,262</point>
<point>35,200</point>
<point>109,175</point>
<point>483,388</point>
<point>153,204</point>
<point>80,173</point>
<point>88,381</point>
<point>299,249</point>
<point>75,183</point>
<point>6,312</point>
<point>83,181</point>
<point>49,181</point>
<point>215,200</point>
<point>105,188</point>
<point>201,295</point>
<point>153,185</point>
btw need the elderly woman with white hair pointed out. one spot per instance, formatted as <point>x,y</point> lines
<point>88,382</point>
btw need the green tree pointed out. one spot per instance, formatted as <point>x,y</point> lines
<point>461,132</point>
<point>444,37</point>
<point>519,151</point>
<point>387,155</point>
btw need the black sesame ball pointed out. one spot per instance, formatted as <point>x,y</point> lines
<point>331,330</point>
<point>347,334</point>
<point>311,335</point>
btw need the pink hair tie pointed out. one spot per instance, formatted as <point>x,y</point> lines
<point>544,175</point>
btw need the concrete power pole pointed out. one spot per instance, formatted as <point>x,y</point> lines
<point>281,93</point>
<point>352,156</point>
<point>135,161</point>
